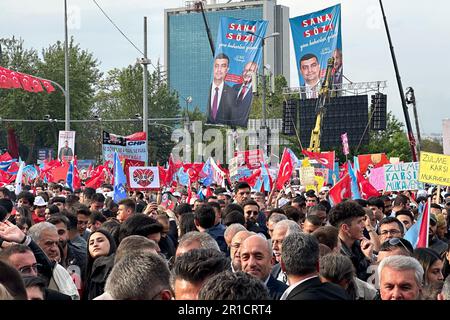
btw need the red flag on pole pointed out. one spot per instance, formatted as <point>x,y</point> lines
<point>341,190</point>
<point>285,171</point>
<point>324,158</point>
<point>366,189</point>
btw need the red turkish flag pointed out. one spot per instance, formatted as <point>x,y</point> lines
<point>36,85</point>
<point>5,157</point>
<point>26,82</point>
<point>285,171</point>
<point>366,189</point>
<point>324,158</point>
<point>15,79</point>
<point>193,170</point>
<point>5,82</point>
<point>341,190</point>
<point>48,86</point>
<point>251,180</point>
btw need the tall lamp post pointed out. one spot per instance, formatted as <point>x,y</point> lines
<point>264,143</point>
<point>186,114</point>
<point>66,72</point>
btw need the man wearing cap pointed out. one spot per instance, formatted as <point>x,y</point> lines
<point>323,193</point>
<point>38,214</point>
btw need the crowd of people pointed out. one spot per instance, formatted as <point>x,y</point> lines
<point>59,244</point>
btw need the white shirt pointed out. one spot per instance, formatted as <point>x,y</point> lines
<point>219,94</point>
<point>312,91</point>
<point>293,286</point>
<point>248,87</point>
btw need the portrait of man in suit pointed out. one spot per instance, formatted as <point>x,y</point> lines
<point>222,97</point>
<point>244,91</point>
<point>337,69</point>
<point>310,70</point>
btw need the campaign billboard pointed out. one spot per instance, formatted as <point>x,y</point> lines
<point>66,145</point>
<point>132,147</point>
<point>317,37</point>
<point>237,59</point>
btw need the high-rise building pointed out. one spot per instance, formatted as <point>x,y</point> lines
<point>187,52</point>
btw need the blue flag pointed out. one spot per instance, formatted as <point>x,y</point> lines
<point>120,181</point>
<point>207,174</point>
<point>183,177</point>
<point>69,177</point>
<point>354,182</point>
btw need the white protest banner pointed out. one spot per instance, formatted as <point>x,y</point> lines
<point>402,176</point>
<point>144,177</point>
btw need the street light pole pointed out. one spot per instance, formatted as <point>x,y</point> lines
<point>145,86</point>
<point>66,72</point>
<point>264,138</point>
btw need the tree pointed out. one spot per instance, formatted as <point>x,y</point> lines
<point>431,145</point>
<point>120,97</point>
<point>393,141</point>
<point>20,104</point>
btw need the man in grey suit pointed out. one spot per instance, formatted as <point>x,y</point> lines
<point>222,97</point>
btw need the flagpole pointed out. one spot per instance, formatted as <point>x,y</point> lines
<point>66,71</point>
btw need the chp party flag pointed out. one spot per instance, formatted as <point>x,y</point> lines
<point>120,181</point>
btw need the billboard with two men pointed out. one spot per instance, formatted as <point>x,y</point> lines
<point>237,58</point>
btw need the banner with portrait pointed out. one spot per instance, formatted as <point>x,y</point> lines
<point>237,59</point>
<point>133,147</point>
<point>317,37</point>
<point>66,145</point>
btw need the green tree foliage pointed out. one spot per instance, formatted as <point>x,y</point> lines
<point>394,141</point>
<point>431,145</point>
<point>120,97</point>
<point>20,104</point>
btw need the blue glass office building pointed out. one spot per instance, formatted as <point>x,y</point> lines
<point>188,55</point>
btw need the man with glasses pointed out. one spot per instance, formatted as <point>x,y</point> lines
<point>46,236</point>
<point>23,260</point>
<point>390,228</point>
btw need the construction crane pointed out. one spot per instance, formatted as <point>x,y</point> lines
<point>324,94</point>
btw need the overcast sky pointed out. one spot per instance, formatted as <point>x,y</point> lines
<point>420,33</point>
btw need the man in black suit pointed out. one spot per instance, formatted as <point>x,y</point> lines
<point>300,261</point>
<point>222,97</point>
<point>244,91</point>
<point>256,256</point>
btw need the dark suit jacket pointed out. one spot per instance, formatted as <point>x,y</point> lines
<point>226,104</point>
<point>276,288</point>
<point>314,289</point>
<point>241,112</point>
